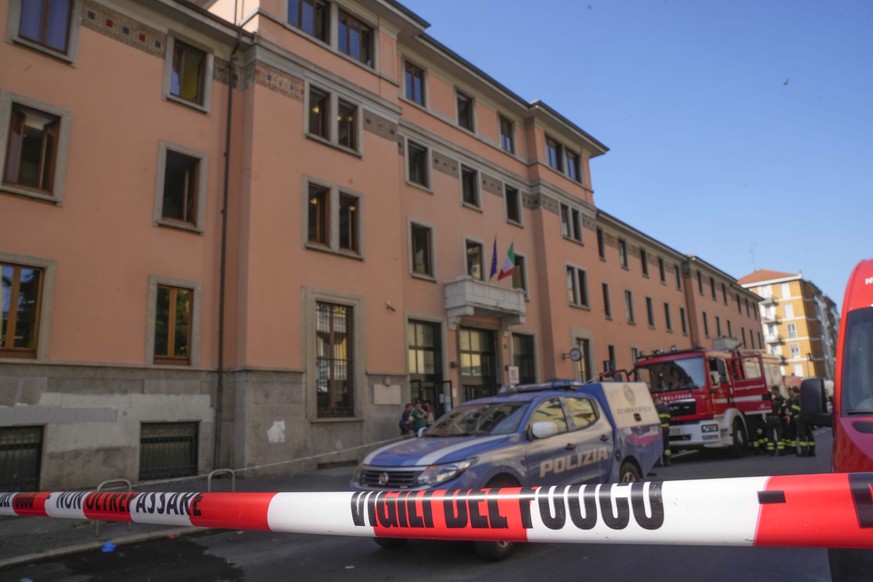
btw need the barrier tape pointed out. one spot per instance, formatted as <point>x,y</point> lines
<point>829,510</point>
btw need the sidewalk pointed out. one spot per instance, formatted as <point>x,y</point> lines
<point>28,539</point>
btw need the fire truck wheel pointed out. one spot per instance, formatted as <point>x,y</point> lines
<point>739,437</point>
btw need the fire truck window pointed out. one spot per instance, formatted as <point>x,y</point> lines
<point>858,361</point>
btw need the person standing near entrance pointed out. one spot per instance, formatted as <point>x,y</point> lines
<point>419,417</point>
<point>406,421</point>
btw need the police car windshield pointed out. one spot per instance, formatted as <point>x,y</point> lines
<point>480,419</point>
<point>858,362</point>
<point>682,374</point>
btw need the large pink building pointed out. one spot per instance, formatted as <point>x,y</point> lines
<point>242,239</point>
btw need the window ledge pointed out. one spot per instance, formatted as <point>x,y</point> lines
<point>32,194</point>
<point>63,57</point>
<point>417,186</point>
<point>185,103</point>
<point>347,150</point>
<point>330,419</point>
<point>338,252</point>
<point>183,226</point>
<point>472,206</point>
<point>427,278</point>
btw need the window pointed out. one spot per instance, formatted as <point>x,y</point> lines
<point>512,199</point>
<point>519,274</point>
<point>582,412</point>
<point>355,39</point>
<point>795,351</point>
<point>424,347</point>
<point>571,163</point>
<point>661,273</point>
<point>414,83</point>
<point>348,223</point>
<point>785,290</point>
<point>523,357</point>
<point>333,219</point>
<point>601,245</point>
<point>470,186</point>
<point>554,154</point>
<point>739,304</point>
<point>724,293</point>
<point>167,450</point>
<point>730,332</point>
<point>188,74</point>
<point>550,411</point>
<point>792,330</point>
<point>310,16</point>
<point>319,213</point>
<point>571,223</point>
<point>340,128</point>
<point>699,283</point>
<point>421,248</point>
<point>607,306</point>
<point>610,349</point>
<point>182,187</point>
<point>712,288</point>
<point>507,135</point>
<point>21,307</point>
<point>333,360</point>
<point>475,259</point>
<point>319,113</point>
<point>789,311</point>
<point>173,325</point>
<point>577,286</point>
<point>678,274</point>
<point>650,312</point>
<point>717,326</point>
<point>705,324</point>
<point>644,262</point>
<point>668,322</point>
<point>417,164</point>
<point>629,305</point>
<point>33,148</point>
<point>683,321</point>
<point>622,253</point>
<point>583,366</point>
<point>50,26</point>
<point>466,107</point>
<point>20,457</point>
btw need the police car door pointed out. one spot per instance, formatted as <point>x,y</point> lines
<point>591,434</point>
<point>546,455</point>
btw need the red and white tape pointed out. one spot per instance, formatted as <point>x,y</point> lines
<point>830,510</point>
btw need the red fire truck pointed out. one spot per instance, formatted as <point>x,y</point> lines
<point>717,398</point>
<point>852,416</point>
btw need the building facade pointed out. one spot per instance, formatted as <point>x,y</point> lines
<point>246,239</point>
<point>800,323</point>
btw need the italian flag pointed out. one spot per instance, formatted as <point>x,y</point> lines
<point>508,263</point>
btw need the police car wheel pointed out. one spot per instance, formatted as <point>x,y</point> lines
<point>628,473</point>
<point>494,551</point>
<point>390,542</point>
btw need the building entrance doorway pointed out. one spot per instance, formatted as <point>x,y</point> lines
<point>478,362</point>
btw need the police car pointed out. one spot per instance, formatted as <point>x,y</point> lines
<point>556,433</point>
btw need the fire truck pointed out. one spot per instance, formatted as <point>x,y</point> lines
<point>717,398</point>
<point>852,415</point>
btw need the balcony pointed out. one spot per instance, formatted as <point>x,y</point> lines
<point>773,338</point>
<point>769,318</point>
<point>466,296</point>
<point>768,301</point>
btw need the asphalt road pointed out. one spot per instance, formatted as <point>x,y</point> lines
<point>237,555</point>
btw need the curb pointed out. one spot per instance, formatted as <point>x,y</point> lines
<point>97,544</point>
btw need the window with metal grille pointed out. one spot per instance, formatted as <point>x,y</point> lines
<point>20,458</point>
<point>167,450</point>
<point>334,382</point>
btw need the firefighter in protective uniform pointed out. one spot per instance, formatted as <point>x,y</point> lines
<point>665,416</point>
<point>775,442</point>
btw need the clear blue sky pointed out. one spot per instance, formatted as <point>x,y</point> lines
<point>740,131</point>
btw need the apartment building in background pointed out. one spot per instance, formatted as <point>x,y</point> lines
<point>800,322</point>
<point>246,239</point>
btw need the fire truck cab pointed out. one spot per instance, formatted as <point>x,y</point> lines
<point>852,416</point>
<point>717,398</point>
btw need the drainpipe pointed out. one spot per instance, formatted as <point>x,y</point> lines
<point>219,389</point>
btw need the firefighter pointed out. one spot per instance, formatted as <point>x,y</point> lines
<point>792,414</point>
<point>805,439</point>
<point>775,441</point>
<point>664,415</point>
